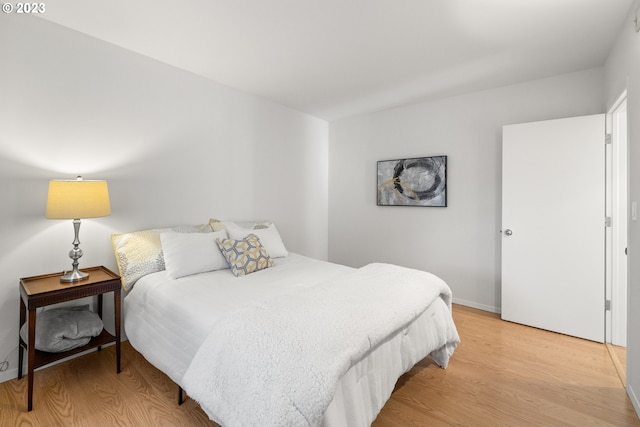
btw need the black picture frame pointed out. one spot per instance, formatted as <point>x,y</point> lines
<point>418,181</point>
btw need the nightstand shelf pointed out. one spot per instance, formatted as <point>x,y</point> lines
<point>43,358</point>
<point>40,291</point>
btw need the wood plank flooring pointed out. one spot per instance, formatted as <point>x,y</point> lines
<point>502,374</point>
<point>619,358</point>
<point>505,374</point>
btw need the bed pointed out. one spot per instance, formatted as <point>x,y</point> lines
<point>297,342</point>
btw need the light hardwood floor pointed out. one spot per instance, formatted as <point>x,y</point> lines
<point>502,374</point>
<point>619,357</point>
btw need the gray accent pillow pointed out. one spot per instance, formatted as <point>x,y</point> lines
<point>65,328</point>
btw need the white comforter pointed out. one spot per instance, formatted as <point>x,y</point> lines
<point>277,363</point>
<point>168,320</point>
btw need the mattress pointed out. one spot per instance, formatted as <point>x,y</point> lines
<point>168,320</point>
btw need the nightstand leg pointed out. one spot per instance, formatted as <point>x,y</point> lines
<point>116,307</point>
<point>31,357</point>
<point>100,312</point>
<point>23,318</point>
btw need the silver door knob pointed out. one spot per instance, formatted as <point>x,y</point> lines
<point>508,232</point>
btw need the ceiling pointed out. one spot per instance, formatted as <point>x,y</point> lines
<point>336,58</point>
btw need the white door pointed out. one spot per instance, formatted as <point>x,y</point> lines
<point>553,205</point>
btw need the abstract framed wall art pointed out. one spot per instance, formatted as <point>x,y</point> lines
<point>420,181</point>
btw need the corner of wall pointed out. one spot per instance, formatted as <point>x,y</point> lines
<point>634,399</point>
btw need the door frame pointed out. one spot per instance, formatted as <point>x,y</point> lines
<point>616,265</point>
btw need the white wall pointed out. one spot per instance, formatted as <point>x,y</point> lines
<point>460,243</point>
<point>622,71</point>
<point>174,147</point>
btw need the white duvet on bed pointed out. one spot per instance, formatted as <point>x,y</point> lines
<point>278,363</point>
<point>168,320</point>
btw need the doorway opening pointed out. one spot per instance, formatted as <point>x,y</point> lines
<point>616,234</point>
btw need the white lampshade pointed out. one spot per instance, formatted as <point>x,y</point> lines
<point>77,199</point>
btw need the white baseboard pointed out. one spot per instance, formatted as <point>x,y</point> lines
<point>8,375</point>
<point>476,305</point>
<point>634,400</point>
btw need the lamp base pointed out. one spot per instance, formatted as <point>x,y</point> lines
<point>74,275</point>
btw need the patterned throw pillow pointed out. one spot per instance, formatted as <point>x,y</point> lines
<point>245,256</point>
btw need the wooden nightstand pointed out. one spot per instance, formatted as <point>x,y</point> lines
<point>39,291</point>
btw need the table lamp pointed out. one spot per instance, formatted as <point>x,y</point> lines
<point>77,199</point>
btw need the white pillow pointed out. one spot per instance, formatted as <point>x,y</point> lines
<point>191,253</point>
<point>140,253</point>
<point>217,225</point>
<point>269,237</point>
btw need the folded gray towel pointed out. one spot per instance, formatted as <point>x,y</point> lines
<point>65,328</point>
